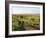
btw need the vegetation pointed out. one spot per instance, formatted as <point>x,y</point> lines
<point>20,23</point>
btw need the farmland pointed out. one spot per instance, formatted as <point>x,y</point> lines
<point>25,22</point>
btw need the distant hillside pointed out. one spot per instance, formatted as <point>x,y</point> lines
<point>27,14</point>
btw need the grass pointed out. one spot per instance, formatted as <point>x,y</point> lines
<point>25,22</point>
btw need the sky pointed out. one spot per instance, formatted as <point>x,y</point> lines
<point>26,10</point>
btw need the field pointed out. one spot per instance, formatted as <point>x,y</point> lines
<point>25,22</point>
